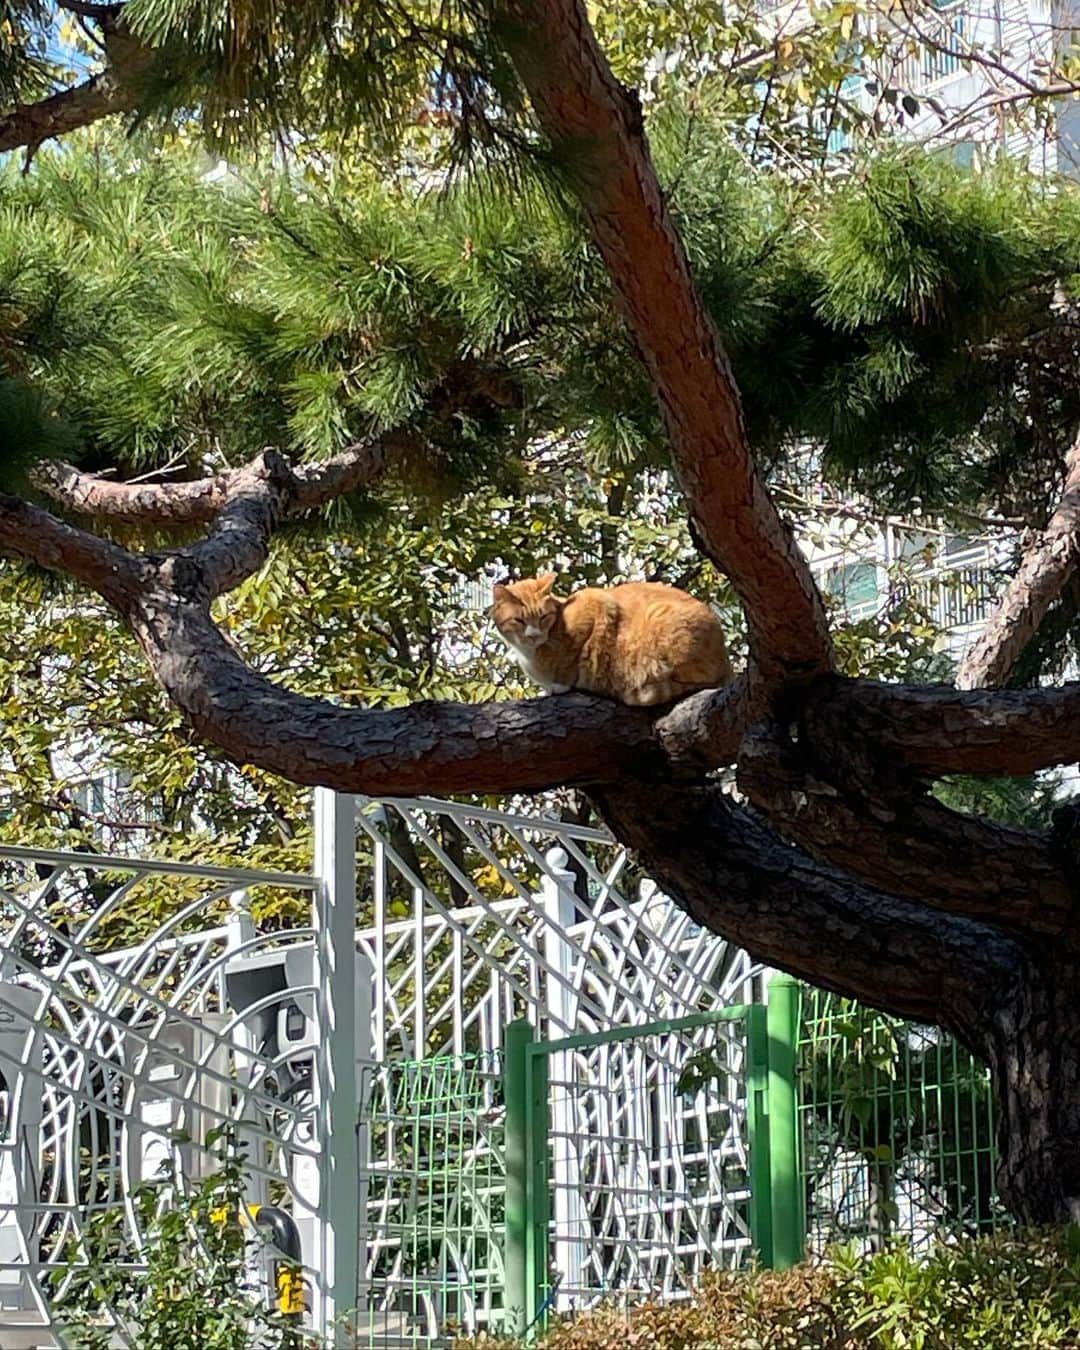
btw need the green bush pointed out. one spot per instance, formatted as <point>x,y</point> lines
<point>1016,1291</point>
<point>1012,1291</point>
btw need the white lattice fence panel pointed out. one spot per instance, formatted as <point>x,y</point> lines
<point>111,1048</point>
<point>482,916</point>
<point>109,1056</point>
<point>650,1179</point>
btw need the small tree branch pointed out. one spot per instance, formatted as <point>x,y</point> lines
<point>596,126</point>
<point>238,542</point>
<point>91,11</point>
<point>31,124</point>
<point>199,501</point>
<point>1046,566</point>
<point>734,876</point>
<point>114,90</point>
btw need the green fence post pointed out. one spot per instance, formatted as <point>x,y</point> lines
<point>517,1299</point>
<point>788,1228</point>
<point>539,1195</point>
<point>757,1122</point>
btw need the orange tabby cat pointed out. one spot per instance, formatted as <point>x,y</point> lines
<point>640,643</point>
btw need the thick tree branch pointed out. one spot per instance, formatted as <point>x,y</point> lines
<point>596,124</point>
<point>114,90</point>
<point>238,542</point>
<point>35,536</point>
<point>935,729</point>
<point>1044,569</point>
<point>426,747</point>
<point>871,821</point>
<point>705,730</point>
<point>931,730</point>
<point>735,877</point>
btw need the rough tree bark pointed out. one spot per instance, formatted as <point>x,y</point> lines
<point>1032,1044</point>
<point>842,869</point>
<point>114,90</point>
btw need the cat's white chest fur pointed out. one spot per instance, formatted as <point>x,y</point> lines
<point>524,658</point>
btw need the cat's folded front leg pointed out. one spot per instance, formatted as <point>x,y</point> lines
<point>558,688</point>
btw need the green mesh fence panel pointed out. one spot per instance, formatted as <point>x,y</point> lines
<point>434,1180</point>
<point>897,1129</point>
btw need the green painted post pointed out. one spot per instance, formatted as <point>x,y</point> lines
<point>788,1227</point>
<point>757,1113</point>
<point>516,1300</point>
<point>536,1287</point>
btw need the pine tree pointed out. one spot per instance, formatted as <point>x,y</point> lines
<point>348,339</point>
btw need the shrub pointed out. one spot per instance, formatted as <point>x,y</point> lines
<point>1015,1291</point>
<point>1004,1292</point>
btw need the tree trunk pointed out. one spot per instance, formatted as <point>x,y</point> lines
<point>1033,1049</point>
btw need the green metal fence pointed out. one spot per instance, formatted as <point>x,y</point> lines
<point>500,1188</point>
<point>636,1157</point>
<point>897,1128</point>
<point>434,1186</point>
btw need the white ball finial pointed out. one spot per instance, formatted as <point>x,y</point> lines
<point>557,859</point>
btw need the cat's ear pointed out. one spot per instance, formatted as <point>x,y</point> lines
<point>499,592</point>
<point>545,583</point>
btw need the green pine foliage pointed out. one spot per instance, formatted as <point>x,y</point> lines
<point>29,432</point>
<point>1026,803</point>
<point>372,72</point>
<point>150,318</point>
<point>891,316</point>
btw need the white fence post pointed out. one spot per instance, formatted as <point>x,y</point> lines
<point>336,1087</point>
<point>21,1114</point>
<point>568,1211</point>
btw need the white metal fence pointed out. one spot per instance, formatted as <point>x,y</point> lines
<point>111,1050</point>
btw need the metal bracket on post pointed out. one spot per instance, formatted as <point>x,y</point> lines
<point>337,1098</point>
<point>757,1127</point>
<point>539,1195</point>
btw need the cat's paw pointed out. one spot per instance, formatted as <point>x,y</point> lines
<point>559,688</point>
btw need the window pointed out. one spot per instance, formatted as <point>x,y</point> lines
<point>854,584</point>
<point>916,543</point>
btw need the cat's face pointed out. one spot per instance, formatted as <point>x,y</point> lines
<point>525,612</point>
